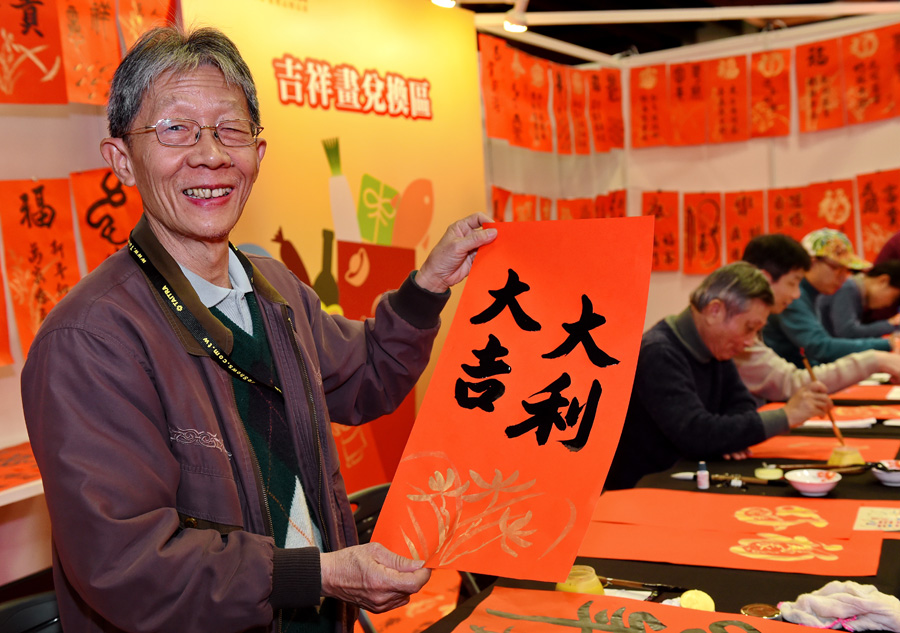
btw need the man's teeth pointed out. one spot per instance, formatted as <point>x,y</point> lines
<point>207,193</point>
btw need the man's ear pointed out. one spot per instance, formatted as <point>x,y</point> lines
<point>715,312</point>
<point>767,275</point>
<point>118,156</point>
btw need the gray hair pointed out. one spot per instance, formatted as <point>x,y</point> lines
<point>735,285</point>
<point>171,49</point>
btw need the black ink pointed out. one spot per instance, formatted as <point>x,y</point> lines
<point>580,332</point>
<point>506,298</point>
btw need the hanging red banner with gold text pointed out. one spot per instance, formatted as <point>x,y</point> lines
<point>727,115</point>
<point>867,60</point>
<point>663,206</point>
<point>879,211</point>
<point>90,44</point>
<point>31,53</point>
<point>770,93</point>
<point>819,86</point>
<point>743,221</point>
<point>649,108</point>
<point>830,204</point>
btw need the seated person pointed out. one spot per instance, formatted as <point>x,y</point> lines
<point>877,288</point>
<point>799,326</point>
<point>890,250</point>
<point>688,399</point>
<point>768,376</point>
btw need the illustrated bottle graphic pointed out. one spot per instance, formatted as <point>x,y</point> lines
<point>325,285</point>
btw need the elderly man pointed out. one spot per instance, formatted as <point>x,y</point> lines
<point>179,399</point>
<point>784,262</point>
<point>688,400</point>
<point>799,327</point>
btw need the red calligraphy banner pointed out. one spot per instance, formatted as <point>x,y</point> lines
<point>763,550</point>
<point>581,131</point>
<point>523,207</point>
<point>5,350</point>
<point>561,108</point>
<point>770,93</point>
<point>867,64</point>
<point>787,212</point>
<point>39,244</point>
<point>890,36</point>
<point>575,209</point>
<point>495,58</point>
<point>618,204</point>
<point>702,233</point>
<point>663,206</point>
<point>728,114</point>
<point>17,466</point>
<point>31,52</point>
<point>90,42</point>
<point>538,113</point>
<point>611,80</point>
<point>649,106</point>
<point>534,611</point>
<point>596,111</point>
<point>545,208</point>
<point>687,103</point>
<point>106,212</point>
<point>743,221</point>
<point>819,86</point>
<point>878,209</point>
<point>139,16</point>
<point>499,198</point>
<point>830,204</point>
<point>601,206</point>
<point>534,343</point>
<point>819,449</point>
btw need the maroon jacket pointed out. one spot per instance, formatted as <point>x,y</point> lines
<point>154,503</point>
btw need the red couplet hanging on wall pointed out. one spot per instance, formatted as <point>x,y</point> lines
<point>32,69</point>
<point>649,106</point>
<point>770,93</point>
<point>612,106</point>
<point>663,206</point>
<point>499,198</point>
<point>687,103</point>
<point>831,204</point>
<point>90,44</point>
<point>523,207</point>
<point>879,209</point>
<point>867,59</point>
<point>581,131</point>
<point>560,75</point>
<point>743,221</point>
<point>702,233</point>
<point>494,57</point>
<point>787,212</point>
<point>819,86</point>
<point>596,100</point>
<point>727,113</point>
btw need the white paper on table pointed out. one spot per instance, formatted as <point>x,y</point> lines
<point>862,423</point>
<point>891,422</point>
<point>894,393</point>
<point>878,378</point>
<point>877,519</point>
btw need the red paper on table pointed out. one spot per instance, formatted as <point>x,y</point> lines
<point>770,93</point>
<point>743,221</point>
<point>687,103</point>
<point>425,607</point>
<point>728,106</point>
<point>32,69</point>
<point>535,611</point>
<point>612,107</point>
<point>617,204</point>
<point>663,205</point>
<point>702,233</point>
<point>831,204</point>
<point>819,86</point>
<point>849,413</point>
<point>516,502</point>
<point>878,209</point>
<point>17,466</point>
<point>495,56</point>
<point>499,198</point>
<point>581,131</point>
<point>139,16</point>
<point>545,208</point>
<point>649,107</point>
<point>561,80</point>
<point>39,241</point>
<point>106,212</point>
<point>764,550</point>
<point>819,449</point>
<point>90,42</point>
<point>822,519</point>
<point>867,59</point>
<point>576,209</point>
<point>523,207</point>
<point>596,111</point>
<point>787,212</point>
<point>866,392</point>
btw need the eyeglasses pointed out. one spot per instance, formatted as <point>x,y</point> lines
<point>185,132</point>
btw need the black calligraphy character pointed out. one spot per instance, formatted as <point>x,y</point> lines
<point>100,12</point>
<point>36,256</point>
<point>43,216</point>
<point>580,332</point>
<point>545,414</point>
<point>489,364</point>
<point>29,15</point>
<point>61,270</point>
<point>506,298</point>
<point>57,248</point>
<point>73,25</point>
<point>115,197</point>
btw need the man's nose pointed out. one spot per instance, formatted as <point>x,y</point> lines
<point>209,149</point>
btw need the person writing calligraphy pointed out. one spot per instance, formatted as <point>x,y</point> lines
<point>179,398</point>
<point>688,400</point>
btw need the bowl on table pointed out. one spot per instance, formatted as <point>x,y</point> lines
<point>888,472</point>
<point>813,482</point>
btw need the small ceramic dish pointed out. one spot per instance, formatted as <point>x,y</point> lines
<point>888,472</point>
<point>813,482</point>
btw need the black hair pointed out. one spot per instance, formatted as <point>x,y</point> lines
<point>891,268</point>
<point>777,254</point>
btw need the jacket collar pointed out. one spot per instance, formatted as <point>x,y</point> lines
<point>686,330</point>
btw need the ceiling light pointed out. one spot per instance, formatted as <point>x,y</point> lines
<point>514,19</point>
<point>447,4</point>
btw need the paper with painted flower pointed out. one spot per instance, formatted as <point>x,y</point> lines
<point>515,435</point>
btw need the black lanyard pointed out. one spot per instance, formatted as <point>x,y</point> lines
<point>189,321</point>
